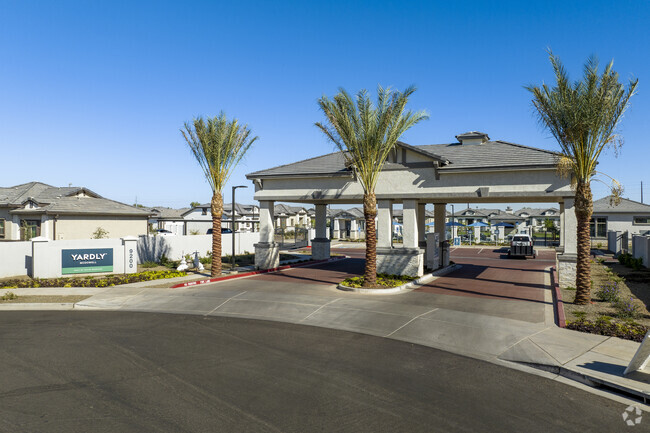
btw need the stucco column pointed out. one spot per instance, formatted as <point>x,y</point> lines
<point>267,252</point>
<point>320,245</point>
<point>439,216</point>
<point>384,223</point>
<point>354,229</point>
<point>130,254</point>
<point>567,261</point>
<point>266,221</point>
<point>570,227</point>
<point>337,229</point>
<point>561,247</point>
<point>408,260</point>
<point>410,224</point>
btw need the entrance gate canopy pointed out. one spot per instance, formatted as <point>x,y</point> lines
<point>475,169</point>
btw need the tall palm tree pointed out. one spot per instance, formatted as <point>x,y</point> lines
<point>583,117</point>
<point>218,144</point>
<point>366,134</point>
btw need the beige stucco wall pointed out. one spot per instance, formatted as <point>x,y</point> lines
<point>420,183</point>
<point>82,227</point>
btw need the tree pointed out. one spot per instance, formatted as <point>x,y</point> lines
<point>100,233</point>
<point>218,145</point>
<point>583,117</point>
<point>366,134</point>
<point>195,204</point>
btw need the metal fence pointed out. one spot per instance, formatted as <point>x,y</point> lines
<point>291,238</point>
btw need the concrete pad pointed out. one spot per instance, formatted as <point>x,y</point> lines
<point>172,303</point>
<point>528,352</point>
<point>617,348</point>
<point>292,298</point>
<point>482,321</point>
<point>387,306</point>
<point>564,344</point>
<point>367,322</point>
<point>285,312</point>
<point>459,338</point>
<point>610,370</point>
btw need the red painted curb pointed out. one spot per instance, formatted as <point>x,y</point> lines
<point>560,318</point>
<point>263,271</point>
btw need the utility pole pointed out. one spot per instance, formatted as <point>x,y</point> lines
<point>641,191</point>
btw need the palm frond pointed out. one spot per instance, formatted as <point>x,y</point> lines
<point>364,132</point>
<point>218,146</point>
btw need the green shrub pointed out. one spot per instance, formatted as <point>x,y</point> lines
<point>149,264</point>
<point>8,296</point>
<point>384,280</point>
<point>604,325</point>
<point>609,292</point>
<point>110,280</point>
<point>627,309</point>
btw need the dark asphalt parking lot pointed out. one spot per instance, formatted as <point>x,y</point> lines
<point>139,372</point>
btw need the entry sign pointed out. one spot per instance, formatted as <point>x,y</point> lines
<point>87,261</point>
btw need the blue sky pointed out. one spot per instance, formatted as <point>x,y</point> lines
<point>94,93</point>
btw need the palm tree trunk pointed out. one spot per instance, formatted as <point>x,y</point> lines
<point>584,209</point>
<point>217,212</point>
<point>369,213</point>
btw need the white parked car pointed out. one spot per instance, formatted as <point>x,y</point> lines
<point>521,246</point>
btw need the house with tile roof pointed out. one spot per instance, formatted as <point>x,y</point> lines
<point>166,218</point>
<point>626,216</point>
<point>198,220</point>
<point>38,209</point>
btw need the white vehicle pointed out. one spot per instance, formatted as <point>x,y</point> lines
<point>521,246</point>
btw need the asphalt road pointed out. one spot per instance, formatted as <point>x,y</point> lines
<point>138,372</point>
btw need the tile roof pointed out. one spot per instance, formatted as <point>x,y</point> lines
<point>603,205</point>
<point>64,200</point>
<point>487,155</point>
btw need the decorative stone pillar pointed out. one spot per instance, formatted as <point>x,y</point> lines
<point>267,252</point>
<point>567,261</point>
<point>320,245</point>
<point>408,260</point>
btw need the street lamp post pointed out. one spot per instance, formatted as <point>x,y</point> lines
<point>453,221</point>
<point>232,226</point>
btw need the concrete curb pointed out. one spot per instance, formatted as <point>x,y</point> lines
<point>557,299</point>
<point>263,271</point>
<point>44,306</point>
<point>404,287</point>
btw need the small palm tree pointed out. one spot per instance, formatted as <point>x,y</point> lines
<point>583,117</point>
<point>218,145</point>
<point>366,134</point>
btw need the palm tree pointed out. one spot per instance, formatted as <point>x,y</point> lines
<point>366,134</point>
<point>218,145</point>
<point>583,117</point>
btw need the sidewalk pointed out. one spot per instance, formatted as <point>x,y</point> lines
<point>420,318</point>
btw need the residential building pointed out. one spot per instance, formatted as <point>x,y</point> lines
<point>291,216</point>
<point>37,209</point>
<point>165,218</point>
<point>198,220</point>
<point>629,215</point>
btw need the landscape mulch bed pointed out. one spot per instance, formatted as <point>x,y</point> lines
<point>588,318</point>
<point>45,299</point>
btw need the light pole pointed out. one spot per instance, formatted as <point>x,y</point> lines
<point>232,226</point>
<point>452,224</point>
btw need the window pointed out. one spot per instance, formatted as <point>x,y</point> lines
<point>2,229</point>
<point>598,227</point>
<point>29,229</point>
<point>641,220</point>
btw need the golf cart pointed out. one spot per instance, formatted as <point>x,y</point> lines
<point>521,246</point>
